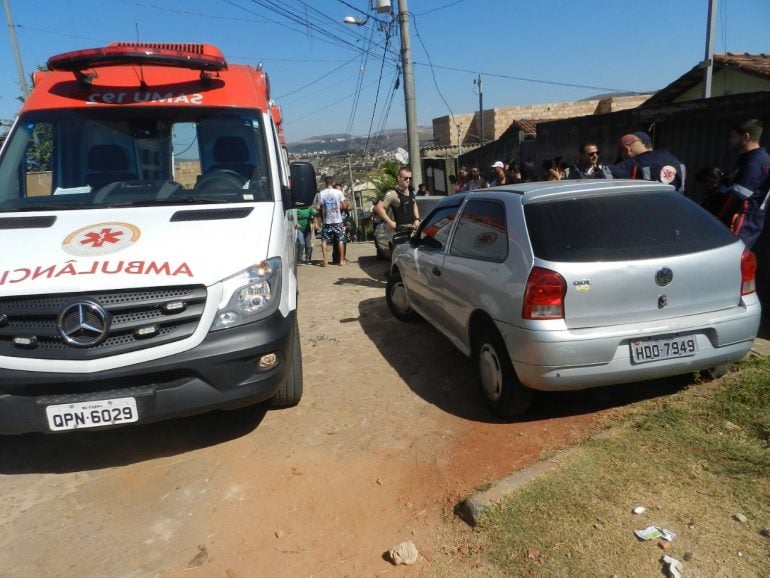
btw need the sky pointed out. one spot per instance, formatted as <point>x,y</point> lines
<point>330,77</point>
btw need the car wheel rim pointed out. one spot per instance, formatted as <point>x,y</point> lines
<point>398,297</point>
<point>490,372</point>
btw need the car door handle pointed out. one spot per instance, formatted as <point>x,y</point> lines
<point>436,271</point>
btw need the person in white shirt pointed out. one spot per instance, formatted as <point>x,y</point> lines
<point>330,202</point>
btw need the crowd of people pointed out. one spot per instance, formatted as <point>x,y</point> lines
<point>738,197</point>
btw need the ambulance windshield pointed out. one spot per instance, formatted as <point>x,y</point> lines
<point>85,158</point>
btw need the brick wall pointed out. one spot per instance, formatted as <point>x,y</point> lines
<point>497,120</point>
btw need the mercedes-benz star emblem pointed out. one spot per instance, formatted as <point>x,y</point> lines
<point>664,276</point>
<point>84,324</point>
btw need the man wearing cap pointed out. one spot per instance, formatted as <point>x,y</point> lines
<point>641,161</point>
<point>498,176</point>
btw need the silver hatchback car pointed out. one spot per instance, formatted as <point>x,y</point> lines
<point>577,284</point>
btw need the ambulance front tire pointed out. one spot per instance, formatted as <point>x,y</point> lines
<point>290,392</point>
<point>220,180</point>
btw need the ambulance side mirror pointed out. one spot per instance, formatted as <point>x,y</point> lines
<point>303,185</point>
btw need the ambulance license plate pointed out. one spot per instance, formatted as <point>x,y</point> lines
<point>90,414</point>
<point>657,348</point>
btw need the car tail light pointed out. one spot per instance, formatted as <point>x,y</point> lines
<point>544,295</point>
<point>748,272</point>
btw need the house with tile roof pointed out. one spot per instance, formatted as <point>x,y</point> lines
<point>731,74</point>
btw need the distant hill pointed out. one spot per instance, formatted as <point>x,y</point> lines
<point>385,140</point>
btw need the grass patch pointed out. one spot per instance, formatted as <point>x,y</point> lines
<point>694,461</point>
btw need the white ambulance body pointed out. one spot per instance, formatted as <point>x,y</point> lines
<point>149,268</point>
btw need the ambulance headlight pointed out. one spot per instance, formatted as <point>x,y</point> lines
<point>250,295</point>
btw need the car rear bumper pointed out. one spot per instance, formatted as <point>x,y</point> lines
<point>561,360</point>
<point>220,373</point>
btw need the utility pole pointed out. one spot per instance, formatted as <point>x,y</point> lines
<point>15,47</point>
<point>353,195</point>
<point>708,63</point>
<point>477,81</point>
<point>412,134</point>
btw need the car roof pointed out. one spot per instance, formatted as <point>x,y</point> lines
<point>550,190</point>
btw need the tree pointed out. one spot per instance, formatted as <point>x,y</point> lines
<point>40,148</point>
<point>386,178</point>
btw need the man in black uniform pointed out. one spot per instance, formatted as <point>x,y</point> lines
<point>642,162</point>
<point>401,204</point>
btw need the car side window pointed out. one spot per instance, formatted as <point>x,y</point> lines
<point>481,232</point>
<point>434,231</point>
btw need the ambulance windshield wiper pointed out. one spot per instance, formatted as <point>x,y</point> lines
<point>154,202</point>
<point>45,207</point>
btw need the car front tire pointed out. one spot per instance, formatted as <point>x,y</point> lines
<point>503,393</point>
<point>398,300</point>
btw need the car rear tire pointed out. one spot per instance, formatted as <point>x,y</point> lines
<point>503,392</point>
<point>398,301</point>
<point>717,372</point>
<point>291,390</point>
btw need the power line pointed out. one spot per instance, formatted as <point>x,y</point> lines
<point>312,82</point>
<point>522,79</point>
<point>432,71</point>
<point>324,107</point>
<point>444,7</point>
<point>189,12</point>
<point>388,34</point>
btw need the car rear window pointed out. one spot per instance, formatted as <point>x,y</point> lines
<point>618,227</point>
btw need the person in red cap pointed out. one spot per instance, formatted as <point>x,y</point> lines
<point>641,161</point>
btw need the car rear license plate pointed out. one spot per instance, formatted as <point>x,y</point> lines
<point>88,414</point>
<point>657,348</point>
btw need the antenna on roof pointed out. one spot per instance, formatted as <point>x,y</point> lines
<point>142,83</point>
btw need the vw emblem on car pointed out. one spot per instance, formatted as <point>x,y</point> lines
<point>84,323</point>
<point>664,276</point>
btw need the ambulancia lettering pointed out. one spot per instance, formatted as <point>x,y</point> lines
<point>75,269</point>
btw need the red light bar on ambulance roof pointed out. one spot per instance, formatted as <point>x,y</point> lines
<point>204,57</point>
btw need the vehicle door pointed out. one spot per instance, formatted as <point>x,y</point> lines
<point>422,276</point>
<point>475,275</point>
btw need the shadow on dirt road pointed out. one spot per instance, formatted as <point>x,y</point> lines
<point>97,449</point>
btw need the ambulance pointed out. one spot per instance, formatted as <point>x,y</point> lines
<point>149,268</point>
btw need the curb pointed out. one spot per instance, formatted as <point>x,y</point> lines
<point>473,507</point>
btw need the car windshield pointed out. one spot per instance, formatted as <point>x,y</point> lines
<point>77,159</point>
<point>619,227</point>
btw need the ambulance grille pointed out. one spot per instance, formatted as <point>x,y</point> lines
<point>119,321</point>
<point>27,222</point>
<point>212,214</point>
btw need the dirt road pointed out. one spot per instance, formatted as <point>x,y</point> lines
<point>390,435</point>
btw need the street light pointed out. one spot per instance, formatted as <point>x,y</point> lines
<point>412,130</point>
